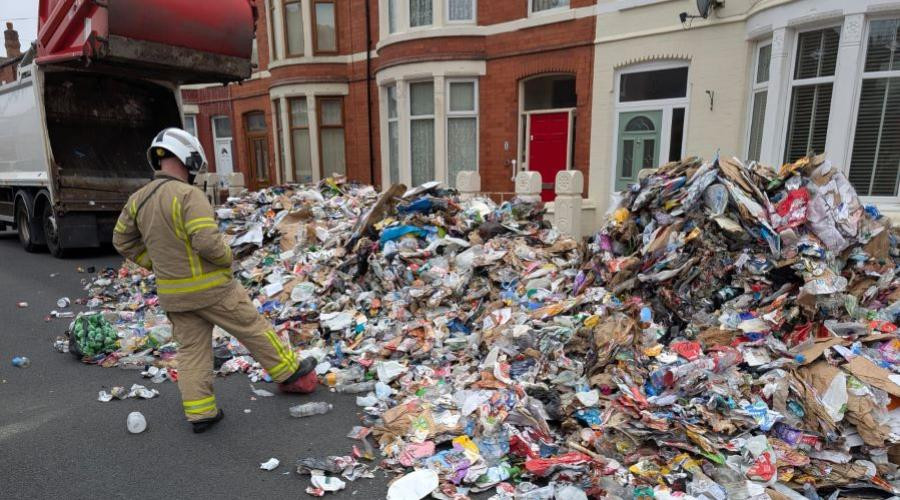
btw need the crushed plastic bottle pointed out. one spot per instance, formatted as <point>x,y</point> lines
<point>357,388</point>
<point>310,409</point>
<point>21,362</point>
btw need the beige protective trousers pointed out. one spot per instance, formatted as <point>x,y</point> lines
<point>193,331</point>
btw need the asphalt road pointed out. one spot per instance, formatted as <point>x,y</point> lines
<point>58,441</point>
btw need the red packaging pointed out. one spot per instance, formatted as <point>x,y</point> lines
<point>542,466</point>
<point>688,350</point>
<point>763,469</point>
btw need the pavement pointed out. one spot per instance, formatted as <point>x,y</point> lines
<point>58,441</point>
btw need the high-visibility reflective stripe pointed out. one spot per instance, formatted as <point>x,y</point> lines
<point>178,222</point>
<point>199,402</point>
<point>288,358</point>
<point>192,289</point>
<point>199,220</point>
<point>276,343</point>
<point>133,209</point>
<point>142,259</point>
<point>201,226</point>
<point>200,410</point>
<point>188,285</point>
<point>195,279</point>
<point>120,228</point>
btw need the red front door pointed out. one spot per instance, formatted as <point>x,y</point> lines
<point>548,148</point>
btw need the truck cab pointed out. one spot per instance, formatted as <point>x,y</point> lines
<point>100,83</point>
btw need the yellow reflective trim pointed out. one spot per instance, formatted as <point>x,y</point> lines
<point>133,209</point>
<point>162,290</point>
<point>195,279</point>
<point>278,370</point>
<point>142,259</point>
<point>283,353</point>
<point>202,226</point>
<point>178,222</point>
<point>199,220</point>
<point>199,402</point>
<point>201,410</point>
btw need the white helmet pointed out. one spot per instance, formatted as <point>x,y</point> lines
<point>182,145</point>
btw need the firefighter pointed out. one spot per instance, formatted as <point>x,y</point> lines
<point>168,226</point>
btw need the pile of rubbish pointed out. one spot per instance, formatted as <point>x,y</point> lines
<point>729,333</point>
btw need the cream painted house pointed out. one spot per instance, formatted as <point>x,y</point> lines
<point>766,80</point>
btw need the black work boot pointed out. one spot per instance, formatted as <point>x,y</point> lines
<point>201,426</point>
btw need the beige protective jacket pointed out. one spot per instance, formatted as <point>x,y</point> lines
<point>169,226</point>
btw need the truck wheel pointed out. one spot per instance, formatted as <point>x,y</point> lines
<point>51,233</point>
<point>26,230</point>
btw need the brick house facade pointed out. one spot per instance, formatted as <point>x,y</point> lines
<point>406,91</point>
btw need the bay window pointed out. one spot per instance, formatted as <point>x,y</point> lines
<point>293,28</point>
<point>300,140</point>
<point>421,126</point>
<point>542,5</point>
<point>331,136</point>
<point>421,13</point>
<point>811,88</point>
<point>462,128</point>
<point>875,160</point>
<point>325,26</point>
<point>759,98</point>
<point>460,10</point>
<point>393,136</point>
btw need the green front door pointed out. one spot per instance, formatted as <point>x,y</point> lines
<point>639,134</point>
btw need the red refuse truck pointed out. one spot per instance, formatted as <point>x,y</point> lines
<point>101,80</point>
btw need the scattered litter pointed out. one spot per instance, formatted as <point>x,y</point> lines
<point>310,409</point>
<point>730,332</point>
<point>136,391</point>
<point>21,305</point>
<point>413,486</point>
<point>21,362</point>
<point>136,423</point>
<point>261,392</point>
<point>270,464</point>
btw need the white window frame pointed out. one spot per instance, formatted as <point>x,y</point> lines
<point>793,82</point>
<point>192,117</point>
<point>756,87</point>
<point>532,12</point>
<point>433,117</point>
<point>460,21</point>
<point>387,130</point>
<point>664,105</point>
<point>462,114</point>
<point>891,202</point>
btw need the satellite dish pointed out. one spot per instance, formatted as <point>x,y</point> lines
<point>704,6</point>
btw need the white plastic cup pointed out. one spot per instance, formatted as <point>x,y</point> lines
<point>136,423</point>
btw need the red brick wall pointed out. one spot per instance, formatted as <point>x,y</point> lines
<point>565,47</point>
<point>8,73</point>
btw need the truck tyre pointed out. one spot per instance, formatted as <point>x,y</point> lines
<point>26,230</point>
<point>51,232</point>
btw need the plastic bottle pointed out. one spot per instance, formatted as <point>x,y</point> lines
<point>310,409</point>
<point>21,362</point>
<point>136,423</point>
<point>357,388</point>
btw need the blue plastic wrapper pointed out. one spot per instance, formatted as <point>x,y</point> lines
<point>588,416</point>
<point>395,232</point>
<point>421,205</point>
